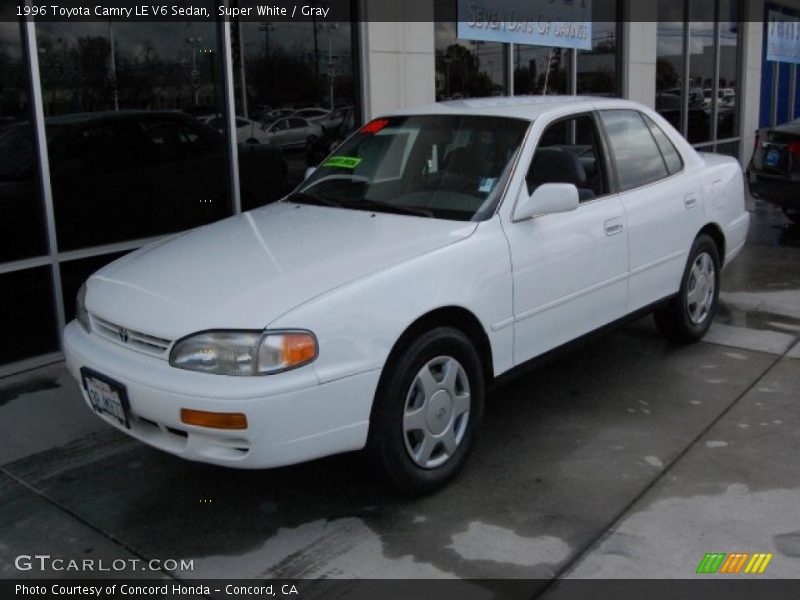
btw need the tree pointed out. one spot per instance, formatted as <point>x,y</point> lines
<point>666,75</point>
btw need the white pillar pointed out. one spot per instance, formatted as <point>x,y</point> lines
<point>398,61</point>
<point>639,43</point>
<point>749,88</point>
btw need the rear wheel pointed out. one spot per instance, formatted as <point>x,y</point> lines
<point>687,317</point>
<point>426,412</point>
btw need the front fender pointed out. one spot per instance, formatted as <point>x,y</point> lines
<point>358,323</point>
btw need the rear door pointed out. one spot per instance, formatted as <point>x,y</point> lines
<point>663,204</point>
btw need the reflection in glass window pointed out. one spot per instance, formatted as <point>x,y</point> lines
<point>465,68</point>
<point>539,70</point>
<point>129,152</point>
<point>670,63</point>
<point>597,68</point>
<point>728,90</point>
<point>636,155</point>
<point>701,71</point>
<point>710,110</point>
<point>22,230</point>
<point>302,70</point>
<point>29,329</point>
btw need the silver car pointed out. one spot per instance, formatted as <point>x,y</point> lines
<point>293,132</point>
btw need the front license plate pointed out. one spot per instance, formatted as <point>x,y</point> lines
<point>106,396</point>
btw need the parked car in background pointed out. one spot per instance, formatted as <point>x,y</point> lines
<point>437,249</point>
<point>331,138</point>
<point>152,172</point>
<point>292,132</point>
<point>329,119</point>
<point>726,97</point>
<point>247,131</point>
<point>774,170</point>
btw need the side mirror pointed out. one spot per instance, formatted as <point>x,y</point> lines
<point>547,199</point>
<point>309,172</point>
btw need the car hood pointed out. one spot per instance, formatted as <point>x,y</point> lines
<point>245,271</point>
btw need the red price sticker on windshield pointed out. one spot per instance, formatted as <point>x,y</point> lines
<point>374,126</point>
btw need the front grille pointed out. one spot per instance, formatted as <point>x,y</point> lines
<point>135,340</point>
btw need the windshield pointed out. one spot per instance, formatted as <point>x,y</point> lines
<point>444,166</point>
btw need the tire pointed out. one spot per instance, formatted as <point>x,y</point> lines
<point>793,214</point>
<point>419,441</point>
<point>687,317</point>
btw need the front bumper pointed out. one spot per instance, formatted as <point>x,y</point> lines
<point>291,417</point>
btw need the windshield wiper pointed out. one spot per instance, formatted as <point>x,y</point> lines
<point>306,198</point>
<point>402,209</point>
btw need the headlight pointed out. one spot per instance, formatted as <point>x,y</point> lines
<point>80,310</point>
<point>244,352</point>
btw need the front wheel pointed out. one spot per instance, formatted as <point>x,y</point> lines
<point>687,317</point>
<point>426,412</point>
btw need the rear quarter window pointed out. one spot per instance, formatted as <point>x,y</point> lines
<point>671,155</point>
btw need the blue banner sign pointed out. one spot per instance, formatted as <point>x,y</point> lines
<point>783,38</point>
<point>558,23</point>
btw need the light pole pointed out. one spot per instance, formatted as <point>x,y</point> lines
<point>113,65</point>
<point>266,28</point>
<point>330,27</point>
<point>195,75</point>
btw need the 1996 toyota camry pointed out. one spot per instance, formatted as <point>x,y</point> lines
<point>433,251</point>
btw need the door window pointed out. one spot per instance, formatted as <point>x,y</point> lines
<point>569,152</point>
<point>636,154</point>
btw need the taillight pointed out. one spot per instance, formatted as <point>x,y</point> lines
<point>794,149</point>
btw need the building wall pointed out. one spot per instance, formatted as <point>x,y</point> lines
<point>398,59</point>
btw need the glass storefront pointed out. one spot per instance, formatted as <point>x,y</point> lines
<point>470,69</point>
<point>139,145</point>
<point>598,70</point>
<point>780,81</point>
<point>130,155</point>
<point>319,105</point>
<point>22,225</point>
<point>704,37</point>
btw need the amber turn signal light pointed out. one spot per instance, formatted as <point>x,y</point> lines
<point>299,348</point>
<point>213,420</point>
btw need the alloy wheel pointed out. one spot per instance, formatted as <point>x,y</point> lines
<point>436,412</point>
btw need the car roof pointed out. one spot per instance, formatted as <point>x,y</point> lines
<point>523,107</point>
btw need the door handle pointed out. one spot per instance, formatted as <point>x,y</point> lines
<point>690,201</point>
<point>613,226</point>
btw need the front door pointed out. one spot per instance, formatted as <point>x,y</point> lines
<point>569,269</point>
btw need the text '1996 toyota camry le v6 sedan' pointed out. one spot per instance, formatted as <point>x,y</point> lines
<point>436,249</point>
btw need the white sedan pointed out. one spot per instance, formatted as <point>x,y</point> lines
<point>247,131</point>
<point>437,249</point>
